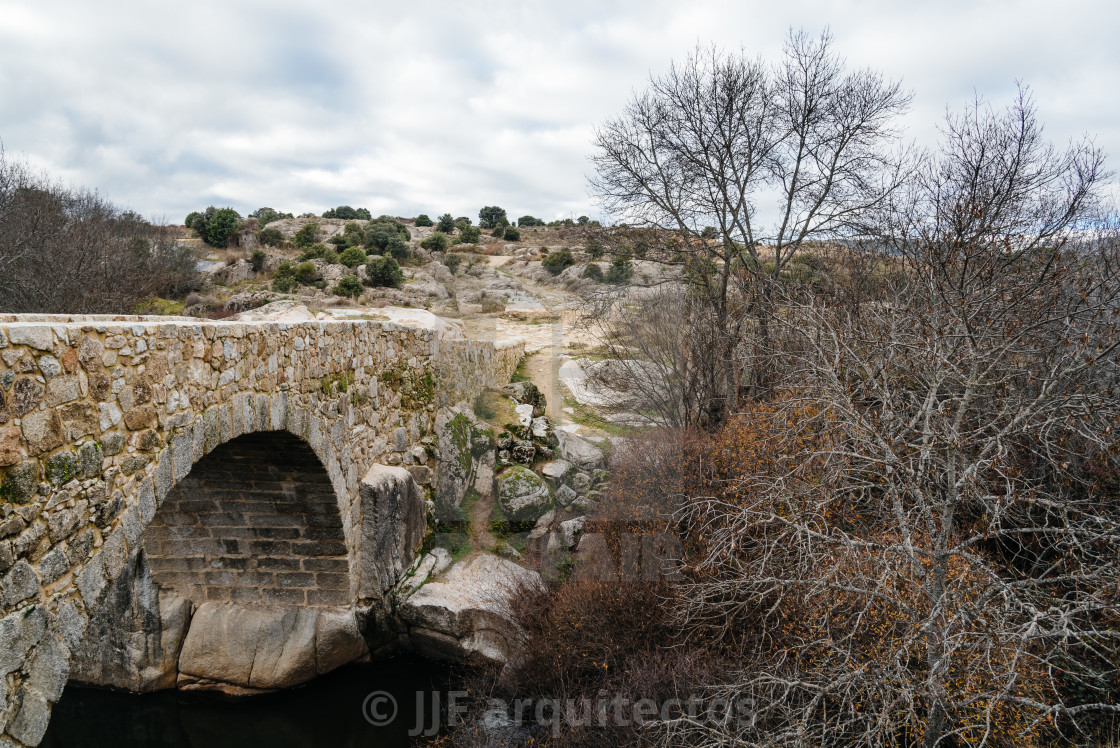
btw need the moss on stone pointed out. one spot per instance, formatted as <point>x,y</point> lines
<point>62,467</point>
<point>18,483</point>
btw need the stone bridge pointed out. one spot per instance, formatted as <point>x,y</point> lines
<point>153,469</point>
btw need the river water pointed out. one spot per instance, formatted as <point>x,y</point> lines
<point>326,712</point>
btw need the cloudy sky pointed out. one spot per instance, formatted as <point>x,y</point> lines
<point>410,107</point>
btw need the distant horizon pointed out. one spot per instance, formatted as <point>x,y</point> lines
<point>169,110</point>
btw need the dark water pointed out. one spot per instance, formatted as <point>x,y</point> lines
<point>325,712</point>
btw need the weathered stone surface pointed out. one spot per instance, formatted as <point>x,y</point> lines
<point>522,494</point>
<point>393,522</point>
<point>9,445</point>
<point>579,452</point>
<point>62,467</point>
<point>555,469</point>
<point>26,396</point>
<point>523,451</point>
<point>20,583</point>
<point>570,531</point>
<point>580,482</point>
<point>265,647</point>
<point>62,390</point>
<point>465,458</point>
<point>100,386</point>
<point>431,565</point>
<point>39,337</point>
<point>50,367</point>
<point>140,418</point>
<point>421,473</point>
<point>565,496</point>
<point>133,641</point>
<point>19,484</point>
<point>89,354</point>
<point>467,616</point>
<point>527,393</point>
<point>43,431</point>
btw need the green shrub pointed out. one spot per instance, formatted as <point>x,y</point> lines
<point>511,234</point>
<point>306,235</point>
<point>555,262</point>
<point>348,285</point>
<point>446,224</point>
<point>529,221</point>
<point>346,213</point>
<point>320,251</point>
<point>189,221</point>
<point>594,248</point>
<point>492,217</point>
<point>257,260</point>
<point>215,225</point>
<point>380,234</point>
<point>306,272</point>
<point>462,222</point>
<point>594,272</point>
<point>339,240</point>
<point>498,231</point>
<point>452,261</point>
<point>423,220</point>
<point>437,242</point>
<point>384,272</point>
<point>285,280</point>
<point>352,257</point>
<point>270,237</point>
<point>266,216</point>
<point>469,235</point>
<point>399,249</point>
<point>620,271</point>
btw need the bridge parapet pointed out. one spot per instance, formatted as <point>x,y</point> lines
<point>101,416</point>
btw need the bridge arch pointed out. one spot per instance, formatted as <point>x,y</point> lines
<point>255,521</point>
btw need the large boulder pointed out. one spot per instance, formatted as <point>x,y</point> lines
<point>394,518</point>
<point>234,273</point>
<point>465,459</point>
<point>244,649</point>
<point>467,616</point>
<point>578,451</point>
<point>522,494</point>
<point>132,643</point>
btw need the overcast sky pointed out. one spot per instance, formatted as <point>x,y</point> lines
<point>410,107</point>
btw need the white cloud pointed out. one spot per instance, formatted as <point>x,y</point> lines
<point>433,107</point>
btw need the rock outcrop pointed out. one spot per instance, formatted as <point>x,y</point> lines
<point>579,452</point>
<point>134,640</point>
<point>466,616</point>
<point>465,459</point>
<point>246,649</point>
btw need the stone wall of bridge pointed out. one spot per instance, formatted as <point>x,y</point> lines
<point>101,417</point>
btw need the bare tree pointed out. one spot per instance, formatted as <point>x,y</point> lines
<point>660,342</point>
<point>941,565</point>
<point>742,163</point>
<point>72,251</point>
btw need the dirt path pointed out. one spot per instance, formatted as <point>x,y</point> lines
<point>481,537</point>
